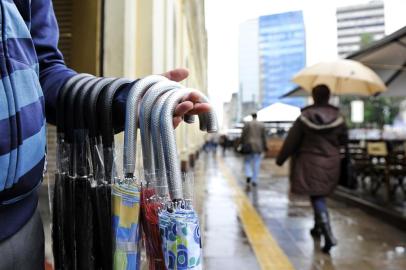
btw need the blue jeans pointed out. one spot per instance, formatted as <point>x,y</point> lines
<point>252,166</point>
<point>319,204</point>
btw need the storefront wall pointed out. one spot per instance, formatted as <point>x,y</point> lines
<point>150,37</point>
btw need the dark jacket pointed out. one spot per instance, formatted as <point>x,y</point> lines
<point>314,144</point>
<point>254,134</point>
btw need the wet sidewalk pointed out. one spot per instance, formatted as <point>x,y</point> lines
<point>265,228</point>
<point>365,242</point>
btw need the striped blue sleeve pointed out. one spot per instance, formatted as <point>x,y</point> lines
<point>52,68</point>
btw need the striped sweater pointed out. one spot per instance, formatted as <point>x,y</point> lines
<point>32,71</point>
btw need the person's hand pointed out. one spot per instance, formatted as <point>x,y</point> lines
<point>190,104</point>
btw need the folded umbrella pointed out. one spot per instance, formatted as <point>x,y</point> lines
<point>84,230</point>
<point>126,190</point>
<point>99,187</point>
<point>69,191</point>
<point>58,241</point>
<point>153,191</point>
<point>154,194</point>
<point>103,191</point>
<point>179,222</point>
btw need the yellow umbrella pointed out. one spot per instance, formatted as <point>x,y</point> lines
<point>343,77</point>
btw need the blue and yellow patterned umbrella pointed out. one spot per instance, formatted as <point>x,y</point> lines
<point>181,241</point>
<point>126,227</point>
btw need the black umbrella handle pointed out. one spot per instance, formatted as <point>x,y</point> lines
<point>105,121</point>
<point>91,118</point>
<point>70,108</point>
<point>81,142</point>
<point>63,93</point>
<point>91,115</point>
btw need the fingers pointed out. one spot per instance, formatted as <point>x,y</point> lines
<point>200,108</point>
<point>176,121</point>
<point>193,97</point>
<point>183,108</point>
<point>177,75</point>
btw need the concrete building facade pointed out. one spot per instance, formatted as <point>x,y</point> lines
<point>135,38</point>
<point>358,25</point>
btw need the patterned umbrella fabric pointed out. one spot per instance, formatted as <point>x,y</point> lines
<point>181,241</point>
<point>126,227</point>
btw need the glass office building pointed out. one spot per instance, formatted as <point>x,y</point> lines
<point>282,53</point>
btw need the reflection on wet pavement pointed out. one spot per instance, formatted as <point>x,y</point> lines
<point>364,241</point>
<point>225,243</point>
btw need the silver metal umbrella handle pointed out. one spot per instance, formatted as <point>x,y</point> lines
<point>172,163</point>
<point>159,159</point>
<point>135,95</point>
<point>146,107</point>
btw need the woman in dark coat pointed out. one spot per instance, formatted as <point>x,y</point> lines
<point>314,144</point>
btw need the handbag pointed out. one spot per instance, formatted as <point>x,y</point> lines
<point>244,148</point>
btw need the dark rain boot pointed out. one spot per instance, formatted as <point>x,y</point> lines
<point>329,239</point>
<point>316,230</point>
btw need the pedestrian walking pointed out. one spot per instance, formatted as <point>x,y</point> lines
<point>33,73</point>
<point>314,143</point>
<point>253,144</point>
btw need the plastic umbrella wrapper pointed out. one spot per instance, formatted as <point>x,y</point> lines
<point>180,231</point>
<point>179,224</point>
<point>125,200</point>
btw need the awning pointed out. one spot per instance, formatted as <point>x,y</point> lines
<point>277,112</point>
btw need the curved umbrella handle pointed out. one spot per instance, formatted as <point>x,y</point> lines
<point>81,105</point>
<point>91,108</point>
<point>70,107</point>
<point>63,93</point>
<point>169,142</point>
<point>105,111</point>
<point>83,166</point>
<point>135,95</point>
<point>146,107</point>
<point>159,159</point>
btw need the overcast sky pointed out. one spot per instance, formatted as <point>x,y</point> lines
<point>223,18</point>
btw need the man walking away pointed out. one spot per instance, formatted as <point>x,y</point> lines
<point>254,138</point>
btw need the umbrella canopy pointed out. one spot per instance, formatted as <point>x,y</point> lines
<point>343,77</point>
<point>277,112</point>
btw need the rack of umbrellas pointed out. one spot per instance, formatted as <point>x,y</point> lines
<point>104,208</point>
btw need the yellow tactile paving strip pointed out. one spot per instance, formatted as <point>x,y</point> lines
<point>269,255</point>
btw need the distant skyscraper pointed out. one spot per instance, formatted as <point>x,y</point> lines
<point>249,67</point>
<point>359,24</point>
<point>282,53</point>
<point>230,109</point>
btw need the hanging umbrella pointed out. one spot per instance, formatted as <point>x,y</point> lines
<point>179,220</point>
<point>126,190</point>
<point>99,190</point>
<point>154,194</point>
<point>343,77</point>
<point>103,190</point>
<point>151,196</point>
<point>58,241</point>
<point>82,190</point>
<point>69,181</point>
